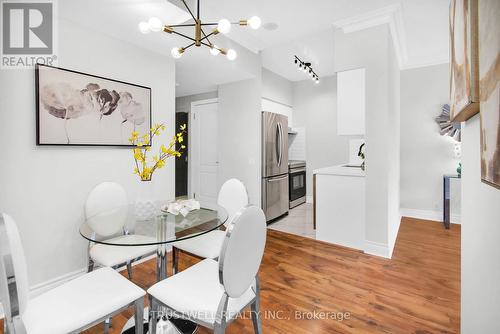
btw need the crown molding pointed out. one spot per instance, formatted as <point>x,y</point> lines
<point>390,15</point>
<point>426,64</point>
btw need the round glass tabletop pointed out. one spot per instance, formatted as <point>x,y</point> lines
<point>121,227</point>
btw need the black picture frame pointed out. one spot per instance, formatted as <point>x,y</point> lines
<point>39,107</point>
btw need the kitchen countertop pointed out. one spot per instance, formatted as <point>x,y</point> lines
<point>340,170</point>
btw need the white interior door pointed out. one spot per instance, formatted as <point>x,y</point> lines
<point>204,158</point>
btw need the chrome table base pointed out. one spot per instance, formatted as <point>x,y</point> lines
<point>183,326</point>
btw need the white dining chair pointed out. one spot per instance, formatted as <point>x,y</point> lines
<point>69,308</point>
<point>212,293</point>
<point>106,211</point>
<point>233,196</point>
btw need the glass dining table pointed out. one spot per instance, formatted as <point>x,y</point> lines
<point>162,230</point>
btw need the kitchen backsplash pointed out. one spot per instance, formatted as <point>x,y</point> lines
<point>297,145</point>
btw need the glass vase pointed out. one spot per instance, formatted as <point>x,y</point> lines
<point>145,207</point>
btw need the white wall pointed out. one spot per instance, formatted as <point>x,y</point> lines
<point>372,49</point>
<point>480,241</point>
<point>183,104</point>
<point>44,188</point>
<point>239,139</point>
<point>315,109</point>
<point>276,88</point>
<point>393,147</point>
<point>425,154</point>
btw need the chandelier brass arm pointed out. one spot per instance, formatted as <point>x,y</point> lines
<point>200,36</point>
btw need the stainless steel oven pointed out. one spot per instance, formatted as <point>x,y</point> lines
<point>297,182</point>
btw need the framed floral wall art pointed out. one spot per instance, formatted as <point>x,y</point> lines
<point>464,62</point>
<point>489,57</point>
<point>74,108</point>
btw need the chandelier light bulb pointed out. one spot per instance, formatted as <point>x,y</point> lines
<point>177,52</point>
<point>305,69</point>
<point>254,22</point>
<point>231,54</point>
<point>317,81</point>
<point>155,24</point>
<point>214,50</point>
<point>224,26</point>
<point>144,27</point>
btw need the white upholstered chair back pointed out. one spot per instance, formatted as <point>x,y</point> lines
<point>233,197</point>
<point>106,208</point>
<point>242,250</point>
<point>13,272</point>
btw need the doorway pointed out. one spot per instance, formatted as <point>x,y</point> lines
<point>204,153</point>
<point>181,164</point>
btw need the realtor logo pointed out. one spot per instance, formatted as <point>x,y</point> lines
<point>27,33</point>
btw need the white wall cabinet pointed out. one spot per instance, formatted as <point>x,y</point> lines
<point>351,102</point>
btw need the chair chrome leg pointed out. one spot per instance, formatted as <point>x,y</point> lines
<point>106,325</point>
<point>139,316</point>
<point>256,319</point>
<point>90,266</point>
<point>255,307</point>
<point>175,259</point>
<point>129,269</point>
<point>219,329</point>
<point>153,321</point>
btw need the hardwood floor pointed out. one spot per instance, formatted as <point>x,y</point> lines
<point>417,291</point>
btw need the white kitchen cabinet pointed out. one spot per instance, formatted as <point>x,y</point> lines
<point>339,200</point>
<point>351,102</point>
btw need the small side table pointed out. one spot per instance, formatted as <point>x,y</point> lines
<point>446,198</point>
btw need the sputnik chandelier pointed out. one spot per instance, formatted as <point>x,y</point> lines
<point>200,37</point>
<point>307,68</point>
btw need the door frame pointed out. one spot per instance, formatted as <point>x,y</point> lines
<point>183,111</point>
<point>190,147</point>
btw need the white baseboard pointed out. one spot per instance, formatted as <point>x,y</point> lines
<point>394,237</point>
<point>377,249</point>
<point>309,199</point>
<point>40,288</point>
<point>380,249</point>
<point>429,215</point>
<point>52,283</point>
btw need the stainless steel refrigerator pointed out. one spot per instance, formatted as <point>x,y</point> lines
<point>274,165</point>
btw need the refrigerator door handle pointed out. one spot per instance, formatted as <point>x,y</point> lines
<point>280,133</point>
<point>278,179</point>
<point>276,143</point>
<point>282,142</point>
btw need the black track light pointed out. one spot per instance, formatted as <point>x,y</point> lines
<point>307,68</point>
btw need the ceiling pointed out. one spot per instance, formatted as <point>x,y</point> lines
<point>307,29</point>
<point>303,28</point>
<point>196,72</point>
